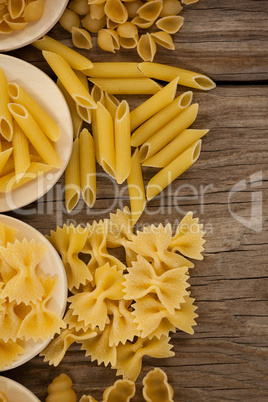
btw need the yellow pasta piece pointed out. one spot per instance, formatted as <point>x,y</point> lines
<point>34,133</point>
<point>105,141</point>
<point>91,307</point>
<point>47,124</point>
<point>97,11</point>
<point>9,353</point>
<point>188,239</point>
<point>69,19</point>
<point>9,322</point>
<point>126,86</point>
<point>98,96</point>
<point>160,119</point>
<point>73,323</point>
<point>81,38</point>
<point>129,356</point>
<point>80,7</point>
<point>72,178</point>
<point>122,142</point>
<point>156,387</point>
<point>5,28</point>
<point>153,105</point>
<point>24,257</point>
<point>163,39</point>
<point>142,23</point>
<point>93,25</point>
<point>116,11</point>
<point>167,133</point>
<point>15,8</point>
<point>15,24</point>
<point>4,156</point>
<point>7,234</point>
<point>136,188</point>
<point>6,126</point>
<point>34,10</point>
<point>186,77</point>
<point>115,70</point>
<point>75,59</point>
<point>120,391</point>
<point>41,322</point>
<point>119,228</point>
<point>146,47</point>
<point>69,242</point>
<point>173,170</point>
<point>128,30</point>
<point>69,80</point>
<point>111,24</point>
<point>189,1</point>
<point>129,43</point>
<point>21,152</point>
<point>83,112</point>
<point>60,389</point>
<point>87,398</point>
<point>132,7</point>
<point>3,397</point>
<point>170,287</point>
<point>111,104</point>
<point>87,168</point>
<point>150,11</point>
<point>170,24</point>
<point>171,7</point>
<point>108,40</point>
<point>76,119</point>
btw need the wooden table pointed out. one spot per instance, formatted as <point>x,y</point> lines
<point>226,358</point>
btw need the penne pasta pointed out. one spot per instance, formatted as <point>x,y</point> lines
<point>98,96</point>
<point>136,188</point>
<point>4,157</point>
<point>122,142</point>
<point>6,126</point>
<point>34,10</point>
<point>151,10</point>
<point>74,59</point>
<point>173,170</point>
<point>69,19</point>
<point>115,70</point>
<point>76,119</point>
<point>21,152</point>
<point>174,148</point>
<point>69,80</point>
<point>153,105</point>
<point>168,73</point>
<point>170,24</point>
<point>160,119</point>
<point>34,134</point>
<point>106,140</point>
<point>47,124</point>
<point>108,40</point>
<point>167,133</point>
<point>146,47</point>
<point>87,168</point>
<point>126,86</point>
<point>72,178</point>
<point>116,11</point>
<point>82,111</point>
<point>111,104</point>
<point>81,38</point>
<point>10,165</point>
<point>9,182</point>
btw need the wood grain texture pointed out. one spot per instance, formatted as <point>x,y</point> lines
<point>226,358</point>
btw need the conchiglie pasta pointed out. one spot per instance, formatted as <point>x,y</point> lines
<point>170,24</point>
<point>97,11</point>
<point>163,39</point>
<point>108,40</point>
<point>116,11</point>
<point>171,7</point>
<point>129,43</point>
<point>80,7</point>
<point>142,23</point>
<point>16,24</point>
<point>127,30</point>
<point>150,10</point>
<point>81,38</point>
<point>189,1</point>
<point>34,10</point>
<point>146,47</point>
<point>93,25</point>
<point>69,19</point>
<point>132,8</point>
<point>15,8</point>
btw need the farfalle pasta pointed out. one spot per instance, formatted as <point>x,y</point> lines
<point>124,312</point>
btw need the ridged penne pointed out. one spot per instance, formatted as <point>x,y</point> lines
<point>115,70</point>
<point>153,105</point>
<point>170,24</point>
<point>160,119</point>
<point>168,73</point>
<point>72,178</point>
<point>106,140</point>
<point>69,80</point>
<point>69,19</point>
<point>6,126</point>
<point>108,40</point>
<point>47,124</point>
<point>174,169</point>
<point>87,168</point>
<point>75,59</point>
<point>111,104</point>
<point>116,11</point>
<point>175,147</point>
<point>136,188</point>
<point>83,112</point>
<point>4,157</point>
<point>167,133</point>
<point>146,47</point>
<point>98,96</point>
<point>81,38</point>
<point>123,86</point>
<point>122,142</point>
<point>34,134</point>
<point>21,152</point>
<point>151,10</point>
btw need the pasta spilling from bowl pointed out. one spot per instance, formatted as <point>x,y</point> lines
<point>17,14</point>
<point>25,314</point>
<point>121,312</point>
<point>117,24</point>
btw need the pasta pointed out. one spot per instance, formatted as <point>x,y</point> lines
<point>146,47</point>
<point>34,10</point>
<point>80,7</point>
<point>115,70</point>
<point>81,38</point>
<point>167,133</point>
<point>9,353</point>
<point>108,40</point>
<point>73,58</point>
<point>150,11</point>
<point>72,178</point>
<point>168,73</point>
<point>46,123</point>
<point>171,7</point>
<point>6,127</point>
<point>127,86</point>
<point>98,96</point>
<point>97,11</point>
<point>84,112</point>
<point>111,104</point>
<point>93,25</point>
<point>175,168</point>
<point>34,133</point>
<point>122,142</point>
<point>60,389</point>
<point>87,168</point>
<point>170,24</point>
<point>153,105</point>
<point>189,1</point>
<point>116,11</point>
<point>15,8</point>
<point>175,147</point>
<point>128,30</point>
<point>163,39</point>
<point>160,119</point>
<point>120,391</point>
<point>156,387</point>
<point>136,188</point>
<point>4,156</point>
<point>69,20</point>
<point>3,397</point>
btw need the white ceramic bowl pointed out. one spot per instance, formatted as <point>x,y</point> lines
<point>44,90</point>
<point>34,30</point>
<point>50,264</point>
<point>16,392</point>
